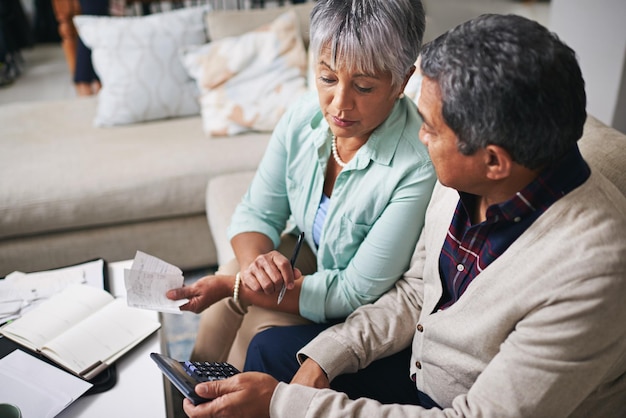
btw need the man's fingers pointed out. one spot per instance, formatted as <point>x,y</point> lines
<point>208,390</point>
<point>217,388</point>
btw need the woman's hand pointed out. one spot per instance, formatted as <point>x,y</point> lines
<point>268,272</point>
<point>241,396</point>
<point>311,374</point>
<point>203,293</point>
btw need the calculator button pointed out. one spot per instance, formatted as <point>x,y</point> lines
<point>209,371</point>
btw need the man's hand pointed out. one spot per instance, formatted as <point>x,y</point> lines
<point>311,374</point>
<point>203,293</point>
<point>245,395</point>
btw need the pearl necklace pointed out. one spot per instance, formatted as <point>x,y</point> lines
<point>338,159</point>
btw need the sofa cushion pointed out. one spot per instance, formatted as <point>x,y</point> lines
<point>223,194</point>
<point>248,81</point>
<point>61,174</point>
<point>184,241</point>
<point>604,148</point>
<point>226,23</point>
<point>137,61</point>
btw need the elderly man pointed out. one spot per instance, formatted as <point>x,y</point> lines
<point>514,303</point>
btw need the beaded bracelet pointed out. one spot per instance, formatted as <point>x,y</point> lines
<point>236,290</point>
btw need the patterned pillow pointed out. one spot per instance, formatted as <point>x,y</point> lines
<point>137,61</point>
<point>226,23</point>
<point>246,82</point>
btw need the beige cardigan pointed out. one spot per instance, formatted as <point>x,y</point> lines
<point>539,333</point>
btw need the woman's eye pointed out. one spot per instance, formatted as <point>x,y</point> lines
<point>326,80</point>
<point>364,89</point>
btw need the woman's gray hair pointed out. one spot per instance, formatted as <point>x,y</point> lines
<point>506,80</point>
<point>369,36</point>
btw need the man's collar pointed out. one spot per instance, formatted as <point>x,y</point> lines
<point>552,183</point>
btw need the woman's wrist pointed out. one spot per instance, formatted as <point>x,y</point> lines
<point>233,288</point>
<point>224,286</point>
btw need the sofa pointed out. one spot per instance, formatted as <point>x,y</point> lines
<point>71,191</point>
<point>603,147</point>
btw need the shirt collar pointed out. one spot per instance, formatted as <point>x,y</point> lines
<point>554,182</point>
<point>382,143</point>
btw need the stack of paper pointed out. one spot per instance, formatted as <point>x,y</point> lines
<point>20,292</point>
<point>37,388</point>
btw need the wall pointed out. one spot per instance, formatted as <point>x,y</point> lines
<point>596,30</point>
<point>442,15</point>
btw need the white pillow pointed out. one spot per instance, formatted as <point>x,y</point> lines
<point>138,64</point>
<point>247,81</point>
<point>414,85</point>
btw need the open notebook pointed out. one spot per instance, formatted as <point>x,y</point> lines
<point>83,329</point>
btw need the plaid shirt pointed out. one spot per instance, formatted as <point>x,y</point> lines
<point>469,249</point>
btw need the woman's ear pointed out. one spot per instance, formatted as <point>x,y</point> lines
<point>498,162</point>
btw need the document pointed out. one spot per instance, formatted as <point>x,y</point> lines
<point>21,292</point>
<point>147,281</point>
<point>83,329</point>
<point>37,388</point>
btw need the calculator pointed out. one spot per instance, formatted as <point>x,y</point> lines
<point>185,375</point>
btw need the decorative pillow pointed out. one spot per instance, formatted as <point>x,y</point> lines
<point>138,64</point>
<point>226,23</point>
<point>414,85</point>
<point>246,82</point>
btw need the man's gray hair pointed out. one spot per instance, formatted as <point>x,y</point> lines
<point>507,80</point>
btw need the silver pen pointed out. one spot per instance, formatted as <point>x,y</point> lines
<point>296,251</point>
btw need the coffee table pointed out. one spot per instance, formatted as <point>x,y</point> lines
<point>141,389</point>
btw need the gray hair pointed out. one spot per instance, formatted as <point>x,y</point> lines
<point>506,80</point>
<point>369,36</point>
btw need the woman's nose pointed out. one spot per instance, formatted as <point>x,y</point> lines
<point>342,99</point>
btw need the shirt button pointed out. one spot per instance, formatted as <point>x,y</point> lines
<point>517,219</point>
<point>460,267</point>
<point>420,328</point>
<point>418,364</point>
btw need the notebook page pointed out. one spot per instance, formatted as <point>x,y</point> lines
<point>56,315</point>
<point>100,337</point>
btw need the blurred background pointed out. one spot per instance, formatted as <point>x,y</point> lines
<point>33,65</point>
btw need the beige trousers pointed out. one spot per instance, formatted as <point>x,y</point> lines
<point>226,328</point>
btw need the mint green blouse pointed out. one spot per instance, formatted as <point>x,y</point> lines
<point>376,210</point>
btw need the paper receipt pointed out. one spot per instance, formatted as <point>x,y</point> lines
<point>147,281</point>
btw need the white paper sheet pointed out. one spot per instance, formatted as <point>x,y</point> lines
<point>20,292</point>
<point>37,388</point>
<point>147,281</point>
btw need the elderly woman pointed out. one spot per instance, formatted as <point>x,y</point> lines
<point>345,167</point>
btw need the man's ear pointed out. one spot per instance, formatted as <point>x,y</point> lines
<point>498,162</point>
